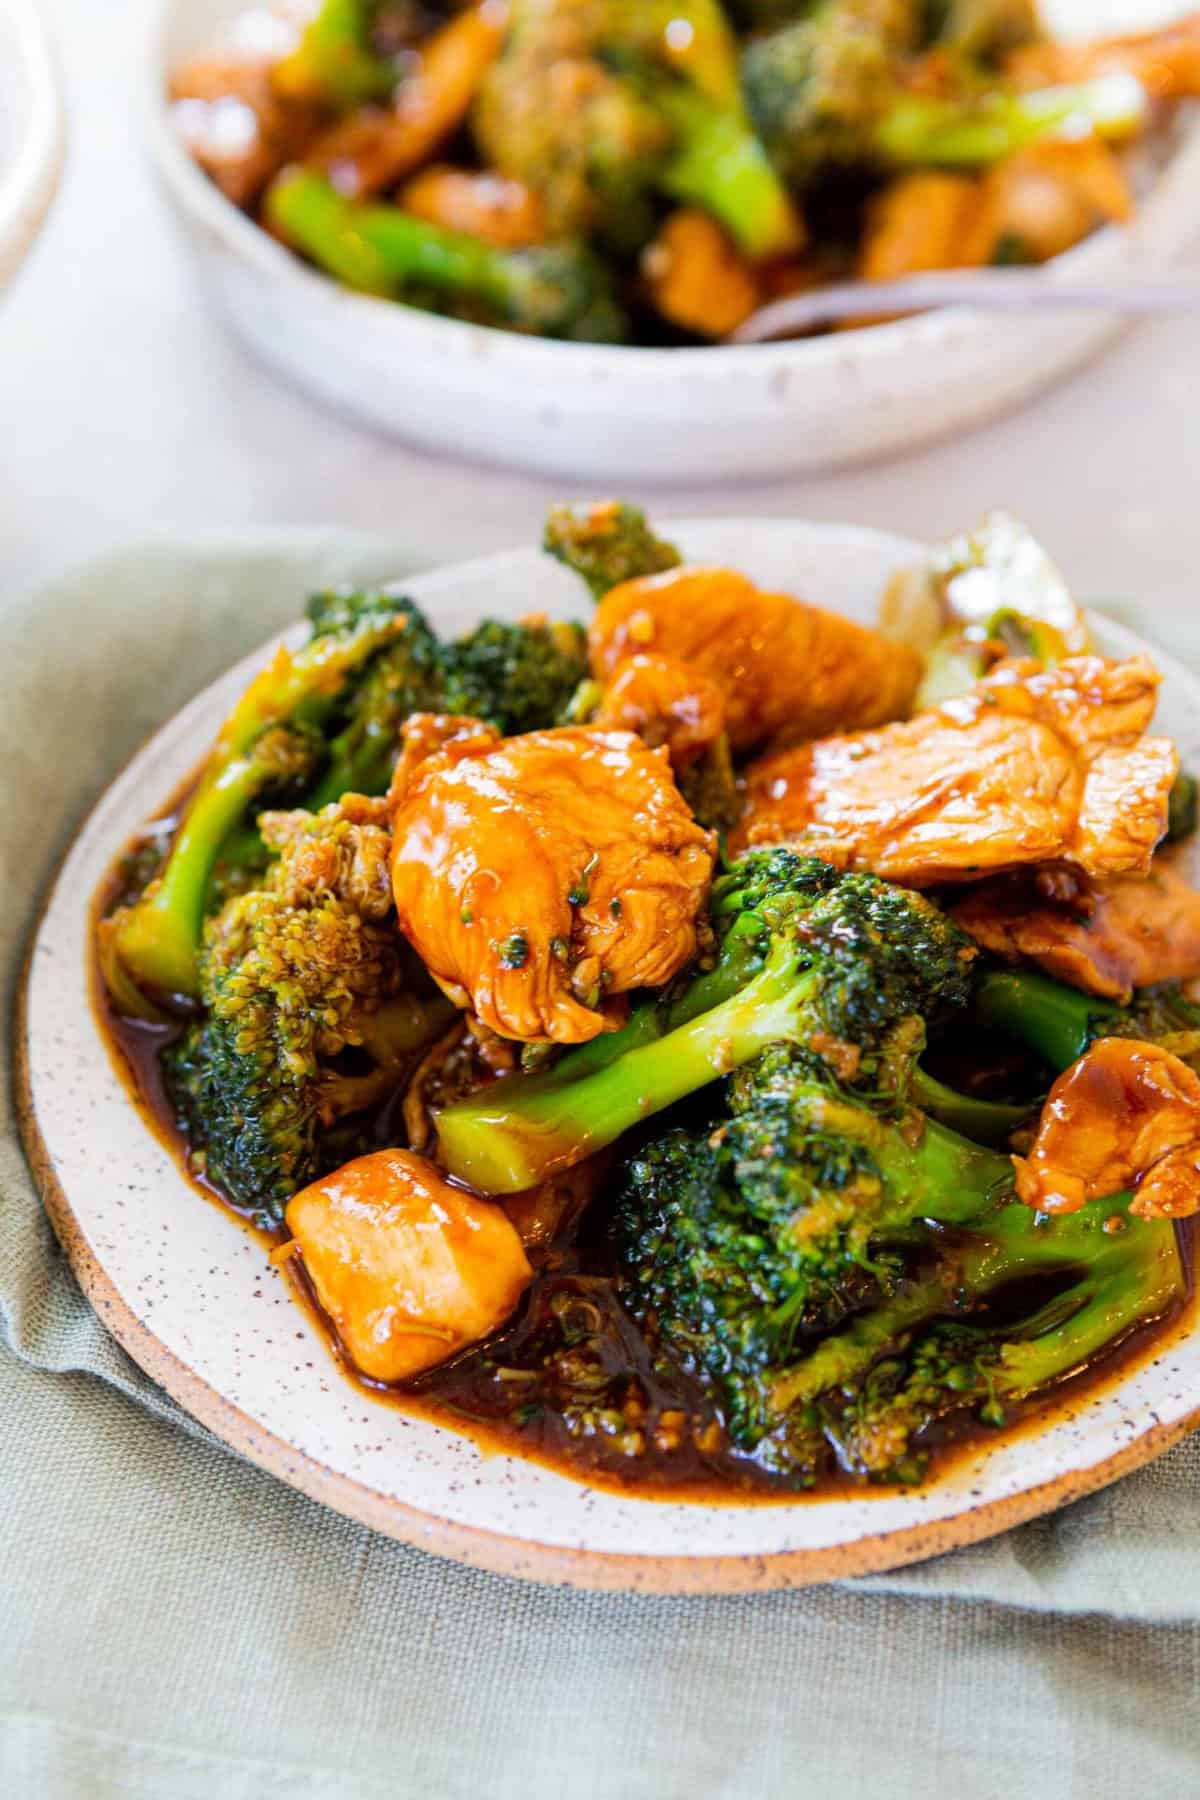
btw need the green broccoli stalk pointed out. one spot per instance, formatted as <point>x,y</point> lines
<point>269,745</point>
<point>606,544</point>
<point>835,963</point>
<point>553,290</point>
<point>973,134</point>
<point>719,164</point>
<point>1055,1021</point>
<point>1059,1023</point>
<point>876,1386</point>
<point>825,91</point>
<point>334,64</point>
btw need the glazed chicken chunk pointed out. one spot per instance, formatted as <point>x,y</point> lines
<point>1031,766</point>
<point>1127,1114</point>
<point>408,1268</point>
<point>787,670</point>
<point>665,701</point>
<point>541,877</point>
<point>1107,937</point>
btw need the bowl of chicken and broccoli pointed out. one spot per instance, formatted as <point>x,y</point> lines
<point>628,183</point>
<point>685,1044</point>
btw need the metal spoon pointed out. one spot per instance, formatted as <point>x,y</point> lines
<point>1135,291</point>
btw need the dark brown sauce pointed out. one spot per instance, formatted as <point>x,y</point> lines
<point>474,1394</point>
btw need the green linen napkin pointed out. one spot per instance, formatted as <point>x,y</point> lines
<point>174,1622</point>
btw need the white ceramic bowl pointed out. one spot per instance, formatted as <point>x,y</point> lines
<point>620,415</point>
<point>194,1300</point>
<point>31,130</point>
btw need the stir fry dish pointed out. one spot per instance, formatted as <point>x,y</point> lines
<point>653,171</point>
<point>723,1047</point>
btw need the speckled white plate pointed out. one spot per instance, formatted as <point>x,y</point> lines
<point>194,1300</point>
<point>31,130</point>
<point>629,414</point>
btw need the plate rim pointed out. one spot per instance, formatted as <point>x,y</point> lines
<point>506,1553</point>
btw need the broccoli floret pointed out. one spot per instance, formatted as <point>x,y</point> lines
<point>554,115</point>
<point>310,1015</point>
<point>404,678</point>
<point>809,1212</point>
<point>599,106</point>
<point>825,90</point>
<point>270,748</point>
<point>606,544</point>
<point>1101,1273</point>
<point>712,1257</point>
<point>553,290</point>
<point>818,88</point>
<point>517,677</point>
<point>833,963</point>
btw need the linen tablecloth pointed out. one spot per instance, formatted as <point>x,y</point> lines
<point>174,1622</point>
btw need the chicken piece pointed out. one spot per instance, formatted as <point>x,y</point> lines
<point>232,121</point>
<point>697,277</point>
<point>1106,937</point>
<point>425,735</point>
<point>1048,197</point>
<point>919,221</point>
<point>1127,1114</point>
<point>665,702</point>
<point>542,876</point>
<point>376,146</point>
<point>1031,766</point>
<point>1166,61</point>
<point>788,671</point>
<point>479,202</point>
<point>408,1268</point>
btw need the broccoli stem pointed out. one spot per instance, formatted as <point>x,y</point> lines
<point>415,252</point>
<point>720,165</point>
<point>1123,1278</point>
<point>984,1121</point>
<point>156,941</point>
<point>361,763</point>
<point>512,1135</point>
<point>972,134</point>
<point>1055,1021</point>
<point>318,220</point>
<point>554,289</point>
<point>518,1132</point>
